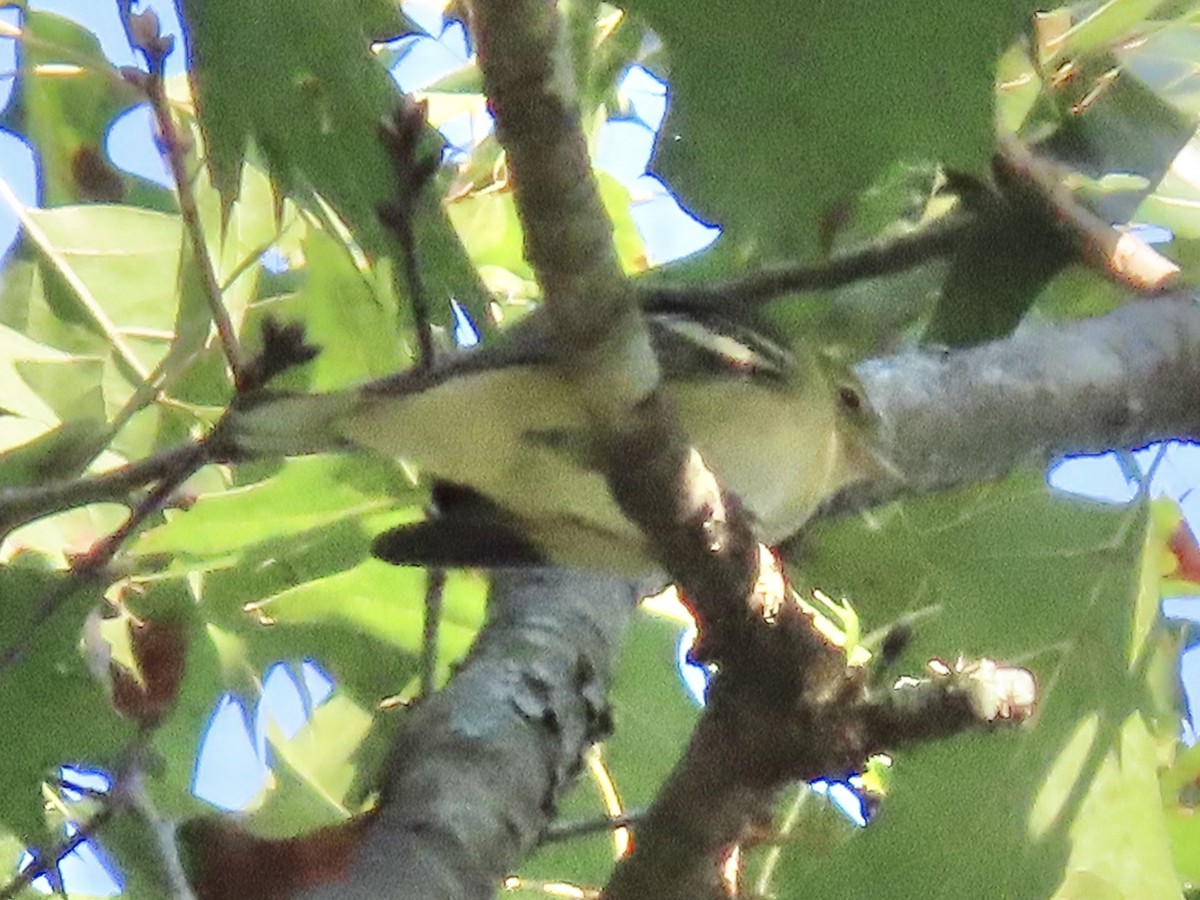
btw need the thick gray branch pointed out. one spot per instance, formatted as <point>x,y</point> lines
<point>475,774</point>
<point>955,418</point>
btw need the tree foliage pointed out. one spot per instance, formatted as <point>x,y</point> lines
<point>129,316</point>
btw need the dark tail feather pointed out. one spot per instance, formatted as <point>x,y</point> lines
<point>451,544</point>
<point>464,530</point>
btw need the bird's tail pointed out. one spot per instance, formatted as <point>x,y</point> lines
<point>272,424</point>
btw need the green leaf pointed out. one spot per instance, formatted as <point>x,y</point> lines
<point>316,769</point>
<point>296,77</point>
<point>132,844</point>
<point>22,358</point>
<point>56,711</point>
<point>113,265</point>
<point>233,245</point>
<point>1164,58</point>
<point>355,326</point>
<point>217,661</point>
<point>384,602</point>
<point>779,112</point>
<point>123,261</point>
<point>1055,584</point>
<point>58,454</point>
<point>1104,27</point>
<point>72,388</point>
<point>1184,826</point>
<point>631,251</point>
<point>67,94</point>
<point>985,294</point>
<point>306,494</point>
<point>1126,129</point>
<point>229,648</point>
<point>385,20</point>
<point>490,230</point>
<point>66,534</point>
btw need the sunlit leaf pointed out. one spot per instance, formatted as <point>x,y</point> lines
<point>1055,585</point>
<point>306,494</point>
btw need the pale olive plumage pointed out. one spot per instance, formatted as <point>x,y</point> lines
<point>778,430</point>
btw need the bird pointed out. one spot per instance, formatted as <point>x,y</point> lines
<point>500,433</point>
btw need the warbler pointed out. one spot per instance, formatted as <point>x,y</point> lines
<point>500,432</point>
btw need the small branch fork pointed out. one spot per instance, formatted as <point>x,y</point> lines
<point>89,568</point>
<point>126,796</point>
<point>746,747</point>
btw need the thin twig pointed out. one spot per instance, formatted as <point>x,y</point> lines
<point>19,505</point>
<point>557,832</point>
<point>136,798</point>
<point>418,299</point>
<point>143,33</point>
<point>103,551</point>
<point>42,865</point>
<point>69,786</point>
<point>401,136</point>
<point>934,241</point>
<point>89,565</point>
<point>435,589</point>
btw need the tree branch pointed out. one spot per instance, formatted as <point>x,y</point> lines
<point>697,530</point>
<point>599,340</point>
<point>934,241</point>
<point>475,774</point>
<point>954,418</point>
<point>19,505</point>
<point>529,81</point>
<point>744,740</point>
<point>174,145</point>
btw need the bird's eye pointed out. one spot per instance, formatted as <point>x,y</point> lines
<point>850,399</point>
